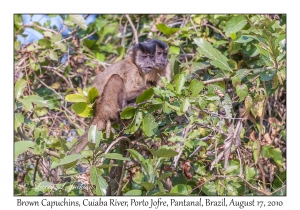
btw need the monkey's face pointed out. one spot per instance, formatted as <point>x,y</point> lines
<point>161,58</point>
<point>145,61</point>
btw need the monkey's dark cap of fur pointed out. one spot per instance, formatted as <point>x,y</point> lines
<point>159,43</point>
<point>146,47</point>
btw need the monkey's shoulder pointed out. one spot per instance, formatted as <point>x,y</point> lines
<point>128,72</point>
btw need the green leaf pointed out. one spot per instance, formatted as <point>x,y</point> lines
<point>176,138</point>
<point>146,95</point>
<point>133,193</point>
<point>176,108</point>
<point>63,144</point>
<point>92,95</point>
<point>174,50</point>
<point>275,154</point>
<point>44,43</point>
<point>149,126</point>
<point>78,19</point>
<point>19,119</point>
<point>82,109</point>
<point>242,91</point>
<point>128,112</point>
<point>181,189</point>
<point>267,75</point>
<point>99,56</point>
<point>136,122</point>
<point>235,24</point>
<point>53,55</point>
<point>19,87</point>
<point>98,180</point>
<point>202,103</point>
<point>115,156</point>
<point>94,135</point>
<point>140,159</point>
<point>47,33</point>
<point>75,98</point>
<point>136,155</point>
<point>218,60</point>
<point>195,87</point>
<point>180,83</point>
<point>100,23</point>
<point>67,159</point>
<point>165,29</point>
<point>231,190</point>
<point>185,105</point>
<point>28,100</point>
<point>236,81</point>
<point>165,152</point>
<point>37,100</point>
<point>255,151</point>
<point>165,175</point>
<point>22,146</point>
<point>148,185</point>
<point>250,172</point>
<point>209,188</point>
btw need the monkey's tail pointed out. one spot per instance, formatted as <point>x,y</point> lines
<point>83,140</point>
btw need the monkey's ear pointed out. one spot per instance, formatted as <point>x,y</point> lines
<point>129,53</point>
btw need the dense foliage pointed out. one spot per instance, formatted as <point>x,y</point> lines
<point>218,128</point>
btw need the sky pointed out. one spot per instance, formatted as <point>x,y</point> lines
<point>56,21</point>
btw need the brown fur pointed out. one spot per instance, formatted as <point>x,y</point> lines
<point>119,83</point>
<point>162,66</point>
<point>153,78</point>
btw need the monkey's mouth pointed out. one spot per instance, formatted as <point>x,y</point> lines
<point>160,65</point>
<point>147,69</point>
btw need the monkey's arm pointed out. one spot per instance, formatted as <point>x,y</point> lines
<point>131,95</point>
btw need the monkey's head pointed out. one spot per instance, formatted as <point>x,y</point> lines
<point>161,55</point>
<point>143,55</point>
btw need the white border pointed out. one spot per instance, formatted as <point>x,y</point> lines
<point>159,7</point>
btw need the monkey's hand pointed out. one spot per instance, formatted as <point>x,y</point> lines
<point>135,93</point>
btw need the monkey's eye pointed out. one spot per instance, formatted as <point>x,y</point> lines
<point>144,56</point>
<point>159,53</point>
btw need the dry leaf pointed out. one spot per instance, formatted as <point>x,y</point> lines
<point>252,136</point>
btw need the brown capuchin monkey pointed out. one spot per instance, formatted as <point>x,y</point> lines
<point>162,65</point>
<point>119,83</point>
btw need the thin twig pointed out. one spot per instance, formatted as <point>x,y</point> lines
<point>124,165</point>
<point>46,29</point>
<point>123,35</point>
<point>50,88</point>
<point>87,36</point>
<point>133,29</point>
<point>62,76</point>
<point>259,144</point>
<point>240,159</point>
<point>199,147</point>
<point>52,153</point>
<point>216,80</point>
<point>136,105</point>
<point>22,60</point>
<point>180,149</point>
<point>215,29</point>
<point>254,188</point>
<point>278,189</point>
<point>122,138</point>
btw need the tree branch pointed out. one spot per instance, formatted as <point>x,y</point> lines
<point>133,29</point>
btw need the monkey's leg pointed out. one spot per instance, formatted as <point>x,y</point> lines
<point>112,101</point>
<point>107,109</point>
